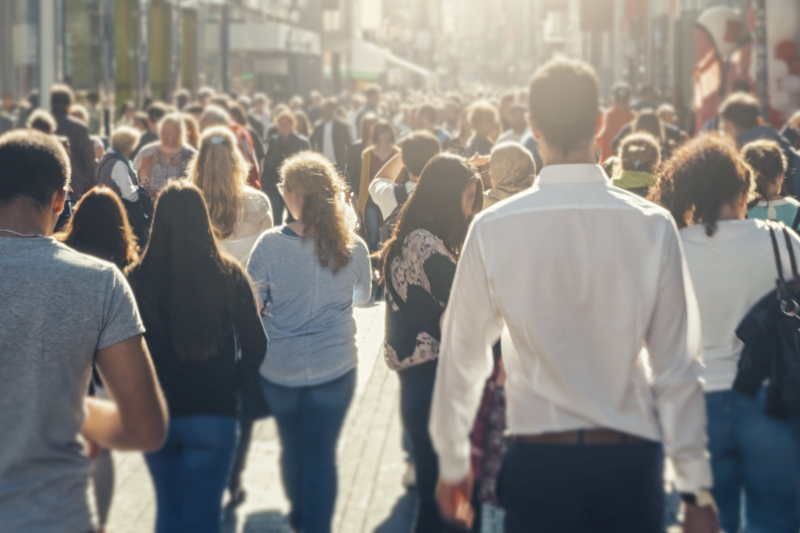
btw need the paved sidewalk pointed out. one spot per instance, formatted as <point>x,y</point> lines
<point>371,462</point>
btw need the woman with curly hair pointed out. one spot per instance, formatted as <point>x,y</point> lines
<point>706,185</point>
<point>309,274</point>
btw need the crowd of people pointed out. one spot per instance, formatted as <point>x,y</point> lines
<point>565,286</point>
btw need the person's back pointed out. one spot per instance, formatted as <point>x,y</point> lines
<point>81,151</point>
<point>769,164</point>
<point>61,312</point>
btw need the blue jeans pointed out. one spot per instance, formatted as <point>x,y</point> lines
<point>278,206</point>
<point>309,422</point>
<point>756,458</point>
<point>372,225</point>
<point>190,473</point>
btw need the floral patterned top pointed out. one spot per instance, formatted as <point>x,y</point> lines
<point>418,289</point>
<point>155,171</point>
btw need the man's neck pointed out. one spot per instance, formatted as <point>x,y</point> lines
<point>580,156</point>
<point>22,217</point>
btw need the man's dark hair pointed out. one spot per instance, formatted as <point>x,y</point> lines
<point>182,98</point>
<point>33,98</point>
<point>221,101</point>
<point>372,91</point>
<point>93,97</point>
<point>621,93</point>
<point>42,121</point>
<point>564,103</point>
<point>740,86</point>
<point>32,164</point>
<point>742,110</point>
<point>419,148</point>
<point>194,109</point>
<point>429,112</point>
<point>156,112</point>
<point>61,98</point>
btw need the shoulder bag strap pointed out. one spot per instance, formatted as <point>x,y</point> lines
<point>792,259</point>
<point>781,281</point>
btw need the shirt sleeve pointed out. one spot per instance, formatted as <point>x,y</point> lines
<point>121,318</point>
<point>250,333</point>
<point>381,190</point>
<point>119,173</point>
<point>675,346</point>
<point>257,269</point>
<point>363,267</point>
<point>471,326</point>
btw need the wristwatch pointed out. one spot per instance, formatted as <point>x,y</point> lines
<point>701,498</point>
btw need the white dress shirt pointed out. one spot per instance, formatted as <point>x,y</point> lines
<point>327,141</point>
<point>381,190</point>
<point>600,326</point>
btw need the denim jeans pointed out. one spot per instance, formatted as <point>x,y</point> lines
<point>416,395</point>
<point>309,422</point>
<point>190,473</point>
<point>372,225</point>
<point>756,459</point>
<point>573,488</point>
<point>278,206</point>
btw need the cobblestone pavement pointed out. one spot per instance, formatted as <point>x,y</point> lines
<point>371,462</point>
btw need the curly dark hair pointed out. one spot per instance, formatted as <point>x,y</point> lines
<point>702,176</point>
<point>768,162</point>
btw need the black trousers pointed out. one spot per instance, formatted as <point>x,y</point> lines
<point>566,488</point>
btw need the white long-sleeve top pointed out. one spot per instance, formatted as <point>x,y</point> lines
<point>600,326</point>
<point>381,190</point>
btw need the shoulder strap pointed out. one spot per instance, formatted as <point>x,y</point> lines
<point>776,251</point>
<point>790,249</point>
<point>796,222</point>
<point>401,194</point>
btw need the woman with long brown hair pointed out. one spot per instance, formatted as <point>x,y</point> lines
<point>309,274</point>
<point>239,213</point>
<point>420,264</point>
<point>99,227</point>
<point>206,340</point>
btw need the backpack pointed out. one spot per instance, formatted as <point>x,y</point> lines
<point>401,195</point>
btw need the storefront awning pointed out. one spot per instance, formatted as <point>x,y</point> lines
<point>369,61</point>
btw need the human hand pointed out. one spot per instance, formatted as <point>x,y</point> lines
<point>454,502</point>
<point>700,519</point>
<point>93,450</point>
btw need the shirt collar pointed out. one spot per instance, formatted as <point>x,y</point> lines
<point>584,173</point>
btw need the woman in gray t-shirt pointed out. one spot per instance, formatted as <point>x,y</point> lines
<point>308,275</point>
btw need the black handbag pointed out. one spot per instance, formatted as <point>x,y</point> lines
<point>771,334</point>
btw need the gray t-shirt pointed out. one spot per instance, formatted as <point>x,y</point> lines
<point>57,308</point>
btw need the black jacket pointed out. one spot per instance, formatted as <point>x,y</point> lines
<point>84,168</point>
<point>279,149</point>
<point>341,141</point>
<point>256,125</point>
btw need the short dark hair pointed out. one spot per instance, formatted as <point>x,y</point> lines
<point>43,121</point>
<point>741,85</point>
<point>621,93</point>
<point>194,109</point>
<point>380,127</point>
<point>419,148</point>
<point>372,90</point>
<point>742,110</point>
<point>156,112</point>
<point>429,112</point>
<point>564,103</point>
<point>61,97</point>
<point>32,164</point>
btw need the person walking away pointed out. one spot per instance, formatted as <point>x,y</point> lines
<point>315,110</point>
<point>428,120</point>
<point>44,372</point>
<point>41,120</point>
<point>382,149</point>
<point>281,147</point>
<point>310,274</point>
<point>372,95</point>
<point>160,162</point>
<point>485,124</point>
<point>419,265</point>
<point>81,148</point>
<point>239,117</point>
<point>575,305</point>
<point>331,136</point>
<point>739,119</point>
<point>640,158</point>
<point>100,228</point>
<point>511,171</point>
<point>518,125</point>
<point>769,164</point>
<point>755,459</point>
<point>261,112</point>
<point>615,118</point>
<point>207,341</point>
<point>218,114</point>
<point>153,115</point>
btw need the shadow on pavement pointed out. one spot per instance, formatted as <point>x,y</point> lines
<point>269,521</point>
<point>403,515</point>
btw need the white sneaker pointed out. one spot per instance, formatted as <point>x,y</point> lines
<point>410,476</point>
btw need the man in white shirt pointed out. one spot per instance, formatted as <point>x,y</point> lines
<point>588,289</point>
<point>387,190</point>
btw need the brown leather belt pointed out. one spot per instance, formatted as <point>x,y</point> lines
<point>584,436</point>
